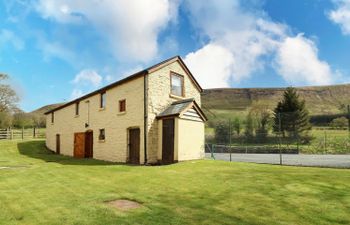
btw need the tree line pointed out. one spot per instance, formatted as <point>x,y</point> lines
<point>10,114</point>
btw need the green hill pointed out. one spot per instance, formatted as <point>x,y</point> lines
<point>224,103</point>
<point>42,110</point>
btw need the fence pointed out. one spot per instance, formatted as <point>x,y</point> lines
<point>279,143</point>
<point>24,133</point>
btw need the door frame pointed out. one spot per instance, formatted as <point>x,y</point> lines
<point>129,160</point>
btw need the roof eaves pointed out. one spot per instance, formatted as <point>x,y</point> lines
<point>135,75</point>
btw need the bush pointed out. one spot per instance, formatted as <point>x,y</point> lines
<point>339,123</point>
<point>222,130</point>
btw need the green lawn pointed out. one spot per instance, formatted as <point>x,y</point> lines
<point>42,188</point>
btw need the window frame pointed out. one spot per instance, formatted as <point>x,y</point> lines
<point>103,100</point>
<point>102,137</point>
<point>120,105</point>
<point>52,117</point>
<point>182,77</point>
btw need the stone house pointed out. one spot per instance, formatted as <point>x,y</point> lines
<point>152,116</point>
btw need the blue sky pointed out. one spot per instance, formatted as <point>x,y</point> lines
<point>55,51</point>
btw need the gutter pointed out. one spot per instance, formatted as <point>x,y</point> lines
<point>145,114</point>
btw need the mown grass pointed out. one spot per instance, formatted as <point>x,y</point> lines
<point>43,188</point>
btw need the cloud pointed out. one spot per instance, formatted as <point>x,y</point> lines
<point>297,62</point>
<point>7,36</point>
<point>130,30</point>
<point>244,42</point>
<point>76,93</point>
<point>85,81</point>
<point>202,62</point>
<point>341,15</point>
<point>88,77</point>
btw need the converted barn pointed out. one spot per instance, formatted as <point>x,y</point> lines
<point>152,116</point>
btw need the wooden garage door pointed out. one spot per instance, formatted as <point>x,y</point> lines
<point>134,146</point>
<point>79,145</point>
<point>168,141</point>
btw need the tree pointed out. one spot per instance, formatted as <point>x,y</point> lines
<point>22,119</point>
<point>290,115</point>
<point>339,123</point>
<point>262,116</point>
<point>249,127</point>
<point>237,126</point>
<point>8,96</point>
<point>222,133</point>
<point>5,119</point>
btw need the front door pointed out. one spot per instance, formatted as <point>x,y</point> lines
<point>89,144</point>
<point>168,141</point>
<point>79,145</point>
<point>58,144</point>
<point>134,146</point>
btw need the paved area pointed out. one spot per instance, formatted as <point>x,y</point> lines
<point>341,161</point>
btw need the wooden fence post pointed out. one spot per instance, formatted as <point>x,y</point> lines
<point>22,133</point>
<point>34,133</point>
<point>11,134</point>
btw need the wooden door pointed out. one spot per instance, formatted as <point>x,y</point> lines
<point>58,144</point>
<point>134,146</point>
<point>89,144</point>
<point>79,145</point>
<point>168,141</point>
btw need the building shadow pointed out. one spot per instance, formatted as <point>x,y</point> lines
<point>37,149</point>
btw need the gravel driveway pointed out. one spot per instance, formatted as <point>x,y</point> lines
<point>341,161</point>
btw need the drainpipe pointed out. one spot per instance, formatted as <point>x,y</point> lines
<point>145,96</point>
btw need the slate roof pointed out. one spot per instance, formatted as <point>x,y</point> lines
<point>178,107</point>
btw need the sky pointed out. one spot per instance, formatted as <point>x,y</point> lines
<point>56,51</point>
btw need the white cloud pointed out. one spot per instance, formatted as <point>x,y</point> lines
<point>88,77</point>
<point>7,36</point>
<point>130,26</point>
<point>85,81</point>
<point>248,41</point>
<point>297,62</point>
<point>76,93</point>
<point>201,63</point>
<point>341,15</point>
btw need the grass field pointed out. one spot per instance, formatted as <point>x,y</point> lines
<point>37,187</point>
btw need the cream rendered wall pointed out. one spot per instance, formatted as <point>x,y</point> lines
<point>190,136</point>
<point>115,147</point>
<point>159,98</point>
<point>188,140</point>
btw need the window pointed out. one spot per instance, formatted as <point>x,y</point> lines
<point>177,82</point>
<point>102,136</point>
<point>77,109</point>
<point>122,105</point>
<point>103,100</point>
<point>52,117</point>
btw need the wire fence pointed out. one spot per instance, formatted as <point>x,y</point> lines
<point>278,143</point>
<point>24,133</point>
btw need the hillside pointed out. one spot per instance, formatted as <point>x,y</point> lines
<point>42,110</point>
<point>231,102</point>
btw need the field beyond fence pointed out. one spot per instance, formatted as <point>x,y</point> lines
<point>321,141</point>
<point>24,133</point>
